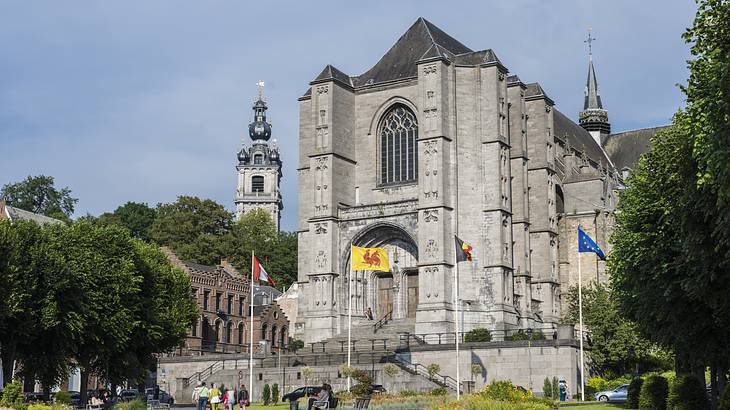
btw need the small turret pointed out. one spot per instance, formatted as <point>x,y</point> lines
<point>594,118</point>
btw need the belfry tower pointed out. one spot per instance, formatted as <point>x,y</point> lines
<point>259,167</point>
<point>594,118</point>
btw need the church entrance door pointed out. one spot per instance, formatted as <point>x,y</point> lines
<point>412,286</point>
<point>385,295</point>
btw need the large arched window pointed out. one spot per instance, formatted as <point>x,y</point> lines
<point>398,132</point>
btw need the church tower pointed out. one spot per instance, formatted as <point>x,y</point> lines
<point>259,167</point>
<point>594,118</point>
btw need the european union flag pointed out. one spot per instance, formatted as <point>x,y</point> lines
<point>586,244</point>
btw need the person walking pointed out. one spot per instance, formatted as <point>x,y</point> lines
<point>369,314</point>
<point>215,397</point>
<point>196,394</point>
<point>203,395</point>
<point>243,400</point>
<point>231,399</point>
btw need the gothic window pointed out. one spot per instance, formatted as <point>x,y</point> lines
<point>398,151</point>
<point>229,330</point>
<point>258,159</point>
<point>257,183</point>
<point>240,334</point>
<point>194,329</point>
<point>264,328</point>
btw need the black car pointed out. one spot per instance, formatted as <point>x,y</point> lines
<point>377,389</point>
<point>301,392</point>
<point>163,396</point>
<point>37,397</point>
<point>131,394</point>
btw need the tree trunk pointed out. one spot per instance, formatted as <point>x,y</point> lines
<point>7,356</point>
<point>713,385</point>
<point>84,383</point>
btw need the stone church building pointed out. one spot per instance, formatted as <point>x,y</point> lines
<point>437,140</point>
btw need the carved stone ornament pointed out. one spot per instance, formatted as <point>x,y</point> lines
<point>322,89</point>
<point>430,69</point>
<point>432,249</point>
<point>321,259</point>
<point>320,228</point>
<point>548,108</point>
<point>431,215</point>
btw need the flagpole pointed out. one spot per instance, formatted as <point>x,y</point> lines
<point>580,320</point>
<point>456,321</point>
<point>250,349</point>
<point>349,327</point>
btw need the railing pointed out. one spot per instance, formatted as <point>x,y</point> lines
<point>383,321</point>
<point>205,373</point>
<point>421,370</point>
<point>375,344</point>
<point>439,338</point>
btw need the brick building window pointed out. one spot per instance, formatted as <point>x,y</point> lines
<point>218,297</point>
<point>194,329</point>
<point>206,298</point>
<point>240,306</point>
<point>229,332</point>
<point>230,304</point>
<point>264,329</point>
<point>240,334</point>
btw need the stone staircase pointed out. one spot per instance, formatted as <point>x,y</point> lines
<point>370,348</point>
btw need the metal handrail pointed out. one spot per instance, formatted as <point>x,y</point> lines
<point>207,371</point>
<point>421,370</point>
<point>383,321</point>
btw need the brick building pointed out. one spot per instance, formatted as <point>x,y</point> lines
<point>223,297</point>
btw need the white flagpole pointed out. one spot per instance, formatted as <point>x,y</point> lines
<point>456,321</point>
<point>349,325</point>
<point>250,349</point>
<point>580,320</point>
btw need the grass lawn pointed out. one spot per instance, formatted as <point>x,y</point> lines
<point>592,406</point>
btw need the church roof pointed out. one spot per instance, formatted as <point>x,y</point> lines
<point>332,73</point>
<point>578,137</point>
<point>17,214</point>
<point>625,148</point>
<point>535,90</point>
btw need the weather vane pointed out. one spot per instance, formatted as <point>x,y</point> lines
<point>590,40</point>
<point>260,84</point>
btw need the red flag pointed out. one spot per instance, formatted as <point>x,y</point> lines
<point>259,273</point>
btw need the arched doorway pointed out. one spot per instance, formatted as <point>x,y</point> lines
<point>383,292</point>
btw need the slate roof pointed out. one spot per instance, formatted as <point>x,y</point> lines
<point>625,148</point>
<point>198,267</point>
<point>592,99</point>
<point>332,73</point>
<point>260,291</point>
<point>577,137</point>
<point>17,214</point>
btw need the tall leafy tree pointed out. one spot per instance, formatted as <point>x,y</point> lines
<point>194,228</point>
<point>616,345</point>
<point>38,194</point>
<point>256,231</point>
<point>102,261</point>
<point>135,216</point>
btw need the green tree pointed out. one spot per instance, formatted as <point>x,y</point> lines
<point>277,251</point>
<point>616,345</point>
<point>39,195</point>
<point>101,260</point>
<point>135,216</point>
<point>195,229</point>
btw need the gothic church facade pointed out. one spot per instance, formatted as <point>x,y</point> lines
<point>435,141</point>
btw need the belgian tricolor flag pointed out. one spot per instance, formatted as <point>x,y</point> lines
<point>463,250</point>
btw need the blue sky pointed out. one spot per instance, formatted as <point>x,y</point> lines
<point>144,101</point>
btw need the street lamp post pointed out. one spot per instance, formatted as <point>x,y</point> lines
<point>529,355</point>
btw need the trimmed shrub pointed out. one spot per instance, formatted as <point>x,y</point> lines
<point>62,397</point>
<point>632,397</point>
<point>130,405</point>
<point>523,335</point>
<point>391,370</point>
<point>432,369</point>
<point>654,393</point>
<point>266,394</point>
<point>438,391</point>
<point>687,393</point>
<point>724,403</point>
<point>12,394</point>
<point>275,393</point>
<point>478,335</point>
<point>409,393</point>
<point>547,388</point>
<point>364,385</point>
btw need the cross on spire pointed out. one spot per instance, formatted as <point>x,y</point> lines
<point>590,40</point>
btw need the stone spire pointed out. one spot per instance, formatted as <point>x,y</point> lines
<point>593,117</point>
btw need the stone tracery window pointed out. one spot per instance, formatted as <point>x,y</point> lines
<point>398,133</point>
